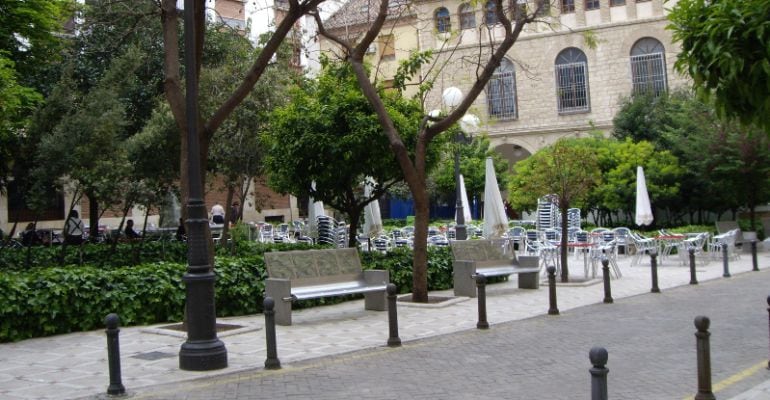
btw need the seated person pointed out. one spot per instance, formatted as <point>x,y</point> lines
<point>129,231</point>
<point>30,236</point>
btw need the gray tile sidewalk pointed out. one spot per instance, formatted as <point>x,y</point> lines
<point>75,365</point>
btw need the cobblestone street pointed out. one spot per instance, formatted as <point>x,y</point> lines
<point>650,339</point>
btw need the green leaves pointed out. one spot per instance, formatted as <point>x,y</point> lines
<point>724,45</point>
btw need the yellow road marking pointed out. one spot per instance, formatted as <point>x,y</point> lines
<point>732,380</point>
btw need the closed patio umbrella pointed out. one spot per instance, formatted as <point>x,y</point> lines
<point>495,220</point>
<point>643,215</point>
<point>464,199</point>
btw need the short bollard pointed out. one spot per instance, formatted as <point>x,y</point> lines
<point>755,266</point>
<point>606,277</point>
<point>113,355</point>
<point>693,278</point>
<point>704,358</point>
<point>768,325</point>
<point>598,357</point>
<point>726,273</point>
<point>654,271</point>
<point>393,339</point>
<point>552,309</point>
<point>272,361</point>
<point>481,289</point>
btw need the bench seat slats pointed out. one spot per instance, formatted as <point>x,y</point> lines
<point>500,271</point>
<point>338,289</point>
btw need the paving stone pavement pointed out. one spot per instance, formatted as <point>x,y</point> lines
<point>338,351</point>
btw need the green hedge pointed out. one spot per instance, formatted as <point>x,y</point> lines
<point>53,300</point>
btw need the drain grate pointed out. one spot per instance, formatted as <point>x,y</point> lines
<point>153,355</point>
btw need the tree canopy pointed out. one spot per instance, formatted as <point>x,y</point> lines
<point>329,135</point>
<point>726,51</point>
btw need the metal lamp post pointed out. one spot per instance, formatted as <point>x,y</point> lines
<point>452,97</point>
<point>202,351</point>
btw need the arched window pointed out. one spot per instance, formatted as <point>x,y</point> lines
<point>501,92</point>
<point>572,81</point>
<point>648,67</point>
<point>443,24</point>
<point>490,14</point>
<point>467,16</point>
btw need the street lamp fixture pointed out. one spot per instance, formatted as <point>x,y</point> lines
<point>452,97</point>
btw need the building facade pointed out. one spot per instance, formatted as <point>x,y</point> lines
<point>566,75</point>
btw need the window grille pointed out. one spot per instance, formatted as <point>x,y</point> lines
<point>490,17</point>
<point>572,88</point>
<point>443,23</point>
<point>501,94</point>
<point>467,17</point>
<point>592,4</point>
<point>567,6</point>
<point>614,3</point>
<point>648,73</point>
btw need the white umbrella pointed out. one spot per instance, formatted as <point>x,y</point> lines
<point>372,217</point>
<point>643,208</point>
<point>464,200</point>
<point>315,209</point>
<point>495,220</point>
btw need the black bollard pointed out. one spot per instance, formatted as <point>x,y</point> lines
<point>754,256</point>
<point>598,357</point>
<point>654,270</point>
<point>393,340</point>
<point>606,277</point>
<point>768,324</point>
<point>113,355</point>
<point>704,359</point>
<point>481,288</point>
<point>726,273</point>
<point>693,278</point>
<point>272,361</point>
<point>552,309</point>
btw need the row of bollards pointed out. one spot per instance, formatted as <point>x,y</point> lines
<point>599,371</point>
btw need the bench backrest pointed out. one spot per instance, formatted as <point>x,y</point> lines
<point>480,250</point>
<point>308,267</point>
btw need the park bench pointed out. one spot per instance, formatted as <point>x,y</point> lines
<point>489,258</point>
<point>311,274</point>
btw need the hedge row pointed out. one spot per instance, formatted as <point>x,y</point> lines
<point>53,300</point>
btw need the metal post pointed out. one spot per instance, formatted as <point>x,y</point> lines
<point>704,359</point>
<point>726,273</point>
<point>768,325</point>
<point>272,361</point>
<point>460,231</point>
<point>202,351</point>
<point>393,340</point>
<point>654,271</point>
<point>693,278</point>
<point>552,309</point>
<point>606,277</point>
<point>481,288</point>
<point>598,357</point>
<point>755,266</point>
<point>113,355</point>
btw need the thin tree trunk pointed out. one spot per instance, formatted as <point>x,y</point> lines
<point>564,239</point>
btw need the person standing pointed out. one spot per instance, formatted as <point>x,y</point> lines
<point>218,214</point>
<point>235,212</point>
<point>73,229</point>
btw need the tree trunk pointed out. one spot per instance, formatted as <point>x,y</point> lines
<point>355,217</point>
<point>564,239</point>
<point>93,217</point>
<point>228,215</point>
<point>420,263</point>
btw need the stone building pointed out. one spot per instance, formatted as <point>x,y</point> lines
<point>565,76</point>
